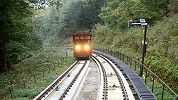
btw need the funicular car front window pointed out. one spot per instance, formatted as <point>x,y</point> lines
<point>82,37</point>
<point>81,41</point>
<point>87,37</point>
<point>76,37</point>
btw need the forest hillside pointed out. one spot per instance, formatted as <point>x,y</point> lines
<point>162,34</point>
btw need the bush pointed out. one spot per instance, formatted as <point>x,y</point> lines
<point>162,48</point>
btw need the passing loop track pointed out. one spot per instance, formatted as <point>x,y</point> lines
<point>66,80</point>
<point>103,78</point>
<point>115,86</point>
<point>72,82</point>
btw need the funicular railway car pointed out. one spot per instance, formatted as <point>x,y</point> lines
<point>82,45</point>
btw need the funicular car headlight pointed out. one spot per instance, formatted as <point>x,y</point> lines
<point>77,47</point>
<point>86,47</point>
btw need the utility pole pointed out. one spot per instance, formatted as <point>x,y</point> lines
<point>142,23</point>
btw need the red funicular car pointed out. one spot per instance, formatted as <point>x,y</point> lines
<point>82,45</point>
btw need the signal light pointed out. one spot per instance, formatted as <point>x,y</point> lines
<point>86,47</point>
<point>77,47</point>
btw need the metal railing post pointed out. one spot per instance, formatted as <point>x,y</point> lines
<point>127,58</point>
<point>162,93</point>
<point>152,85</point>
<point>145,76</point>
<point>131,63</point>
<point>135,66</point>
<point>123,57</point>
<point>111,52</point>
<point>119,55</point>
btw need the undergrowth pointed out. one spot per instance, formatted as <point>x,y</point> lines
<point>31,76</point>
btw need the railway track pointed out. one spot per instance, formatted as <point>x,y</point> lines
<point>61,86</point>
<point>112,84</point>
<point>115,86</point>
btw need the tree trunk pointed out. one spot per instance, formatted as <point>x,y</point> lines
<point>3,60</point>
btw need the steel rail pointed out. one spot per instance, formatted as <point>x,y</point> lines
<point>119,78</point>
<point>52,85</point>
<point>72,82</point>
<point>105,88</point>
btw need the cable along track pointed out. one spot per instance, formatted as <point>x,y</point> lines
<point>115,86</point>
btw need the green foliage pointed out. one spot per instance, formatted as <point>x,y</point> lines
<point>162,5</point>
<point>73,16</point>
<point>162,35</point>
<point>114,15</point>
<point>173,7</point>
<point>162,46</point>
<point>165,37</point>
<point>33,75</point>
<point>118,12</point>
<point>81,15</point>
<point>70,17</point>
<point>158,7</point>
<point>104,35</point>
<point>17,37</point>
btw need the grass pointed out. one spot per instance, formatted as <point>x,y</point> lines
<point>33,75</point>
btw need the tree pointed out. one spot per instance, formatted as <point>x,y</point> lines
<point>156,6</point>
<point>79,15</point>
<point>89,14</point>
<point>173,7</point>
<point>14,31</point>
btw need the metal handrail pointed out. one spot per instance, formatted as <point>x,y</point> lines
<point>147,70</point>
<point>152,74</point>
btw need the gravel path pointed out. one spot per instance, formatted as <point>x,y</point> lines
<point>91,85</point>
